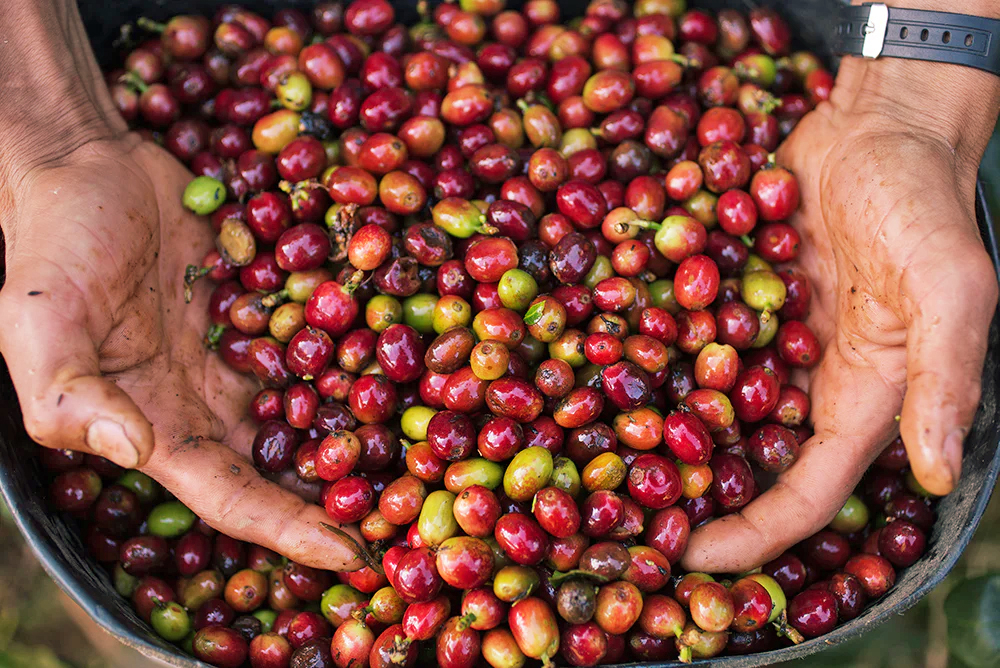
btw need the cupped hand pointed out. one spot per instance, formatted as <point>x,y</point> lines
<point>107,358</point>
<point>903,296</point>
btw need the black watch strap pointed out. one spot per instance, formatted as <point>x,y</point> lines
<point>874,30</point>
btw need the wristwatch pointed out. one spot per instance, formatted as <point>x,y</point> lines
<point>874,30</point>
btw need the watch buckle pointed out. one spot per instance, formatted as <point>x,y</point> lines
<point>875,30</point>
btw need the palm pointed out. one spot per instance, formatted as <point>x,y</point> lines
<point>884,245</point>
<point>127,276</point>
<point>113,283</point>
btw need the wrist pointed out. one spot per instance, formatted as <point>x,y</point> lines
<point>949,103</point>
<point>54,96</point>
<point>954,104</point>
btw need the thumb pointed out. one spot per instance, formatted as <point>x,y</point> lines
<point>53,362</point>
<point>950,289</point>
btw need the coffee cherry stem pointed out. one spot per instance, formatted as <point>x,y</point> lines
<point>212,337</point>
<point>486,228</point>
<point>465,621</point>
<point>191,275</point>
<point>785,629</point>
<point>684,61</point>
<point>398,651</point>
<point>275,299</point>
<point>747,241</point>
<point>424,11</point>
<point>684,654</point>
<point>354,282</point>
<point>642,224</point>
<point>359,550</point>
<point>150,25</point>
<point>134,81</point>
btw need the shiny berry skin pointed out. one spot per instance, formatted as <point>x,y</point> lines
<point>733,483</point>
<point>775,192</point>
<point>75,490</point>
<point>797,345</point>
<point>850,595</point>
<point>582,203</point>
<point>687,437</point>
<point>774,448</point>
<point>875,572</point>
<point>826,550</point>
<point>350,499</point>
<point>626,385</point>
<point>416,578</point>
<point>400,353</point>
<point>711,607</point>
<point>521,537</point>
<point>464,562</point>
<point>372,399</point>
<point>601,512</point>
<point>274,446</point>
<point>451,435</point>
<point>556,512</point>
<point>902,543</point>
<point>813,612</point>
<point>912,509</point>
<point>654,481</point>
<point>755,393</point>
<point>220,646</point>
<point>788,571</point>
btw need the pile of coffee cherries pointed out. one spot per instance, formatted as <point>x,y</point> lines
<point>518,294</point>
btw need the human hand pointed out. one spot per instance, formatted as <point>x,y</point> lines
<point>903,296</point>
<point>107,358</point>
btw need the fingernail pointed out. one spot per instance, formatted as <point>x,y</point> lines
<point>953,453</point>
<point>107,439</point>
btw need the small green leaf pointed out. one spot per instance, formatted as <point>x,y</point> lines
<point>558,577</point>
<point>534,314</point>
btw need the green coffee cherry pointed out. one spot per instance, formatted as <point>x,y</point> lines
<point>382,311</point>
<point>763,290</point>
<point>516,289</point>
<point>414,422</point>
<point>436,523</point>
<point>418,312</point>
<point>204,195</point>
<point>512,583</point>
<point>266,617</point>
<point>125,584</point>
<point>852,517</point>
<point>171,519</point>
<point>339,601</point>
<point>147,489</point>
<point>565,476</point>
<point>170,621</point>
<point>469,472</point>
<point>602,269</point>
<point>527,473</point>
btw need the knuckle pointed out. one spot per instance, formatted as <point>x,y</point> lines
<point>983,277</point>
<point>38,423</point>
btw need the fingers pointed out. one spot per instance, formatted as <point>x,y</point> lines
<point>53,363</point>
<point>952,291</point>
<point>224,489</point>
<point>852,426</point>
<point>801,503</point>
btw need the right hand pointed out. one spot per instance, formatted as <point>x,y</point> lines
<point>107,358</point>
